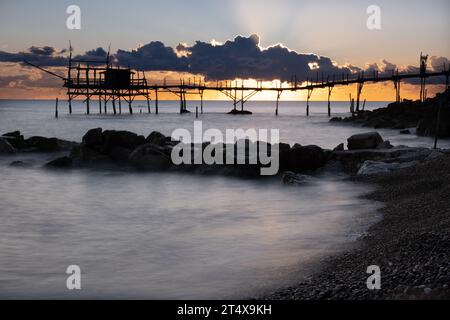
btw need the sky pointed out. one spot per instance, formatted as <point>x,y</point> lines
<point>335,30</point>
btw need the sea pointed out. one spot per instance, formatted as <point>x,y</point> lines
<point>170,235</point>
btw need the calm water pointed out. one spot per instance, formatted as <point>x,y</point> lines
<point>168,235</point>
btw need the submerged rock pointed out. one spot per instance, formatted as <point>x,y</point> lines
<point>291,178</point>
<point>63,162</point>
<point>243,112</point>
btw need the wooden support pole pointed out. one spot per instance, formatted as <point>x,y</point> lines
<point>278,100</point>
<point>148,102</point>
<point>130,108</point>
<point>307,101</point>
<point>100,103</point>
<point>156,101</point>
<point>201,101</point>
<point>358,94</point>
<point>196,111</point>
<point>438,120</point>
<point>105,102</point>
<point>70,104</point>
<point>114,104</point>
<point>120,104</point>
<point>87,91</point>
<point>242,96</point>
<point>330,88</point>
<point>56,108</point>
<point>181,102</point>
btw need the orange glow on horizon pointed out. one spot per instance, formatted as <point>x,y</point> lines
<point>371,92</point>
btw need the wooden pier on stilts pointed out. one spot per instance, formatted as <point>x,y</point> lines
<point>88,79</point>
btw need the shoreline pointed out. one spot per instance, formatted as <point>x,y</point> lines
<point>410,244</point>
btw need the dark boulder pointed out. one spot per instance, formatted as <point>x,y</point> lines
<point>369,140</point>
<point>303,158</point>
<point>93,137</point>
<point>405,131</point>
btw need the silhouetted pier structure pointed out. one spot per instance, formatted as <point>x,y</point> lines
<point>97,79</point>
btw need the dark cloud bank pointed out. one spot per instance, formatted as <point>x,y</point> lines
<point>238,58</point>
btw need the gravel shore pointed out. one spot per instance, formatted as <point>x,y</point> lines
<point>411,244</point>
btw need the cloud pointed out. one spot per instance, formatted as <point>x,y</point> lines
<point>152,57</point>
<point>241,57</point>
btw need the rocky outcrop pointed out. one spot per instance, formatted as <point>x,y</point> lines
<point>408,114</point>
<point>368,154</point>
<point>353,160</point>
<point>37,143</point>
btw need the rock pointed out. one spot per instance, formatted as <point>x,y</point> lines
<point>385,145</point>
<point>434,155</point>
<point>63,162</point>
<point>93,137</point>
<point>123,139</point>
<point>339,147</point>
<point>19,163</point>
<point>90,155</point>
<point>296,145</point>
<point>284,147</point>
<point>6,147</point>
<point>13,134</point>
<point>336,119</point>
<point>405,131</point>
<point>370,167</point>
<point>120,154</point>
<point>155,137</point>
<point>302,159</point>
<point>369,140</point>
<point>149,157</point>
<point>291,178</point>
<point>243,112</point>
<point>42,144</point>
